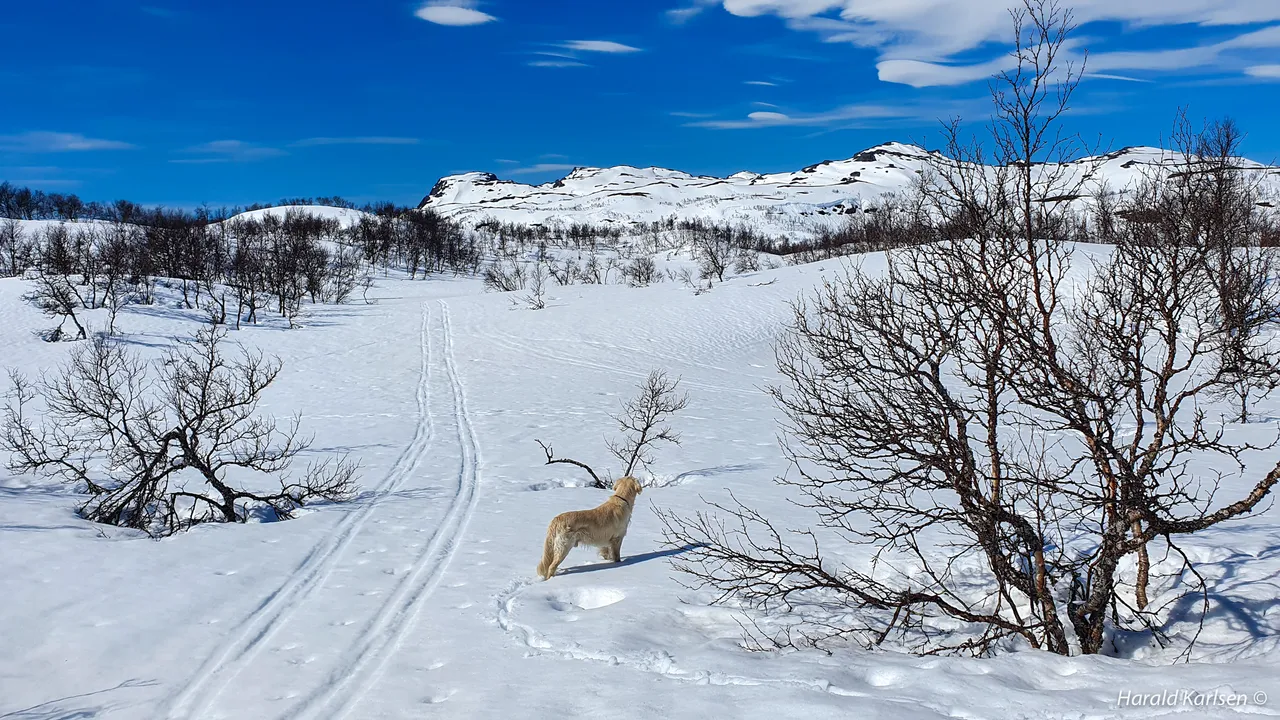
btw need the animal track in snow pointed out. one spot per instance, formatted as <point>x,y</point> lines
<point>590,598</point>
<point>656,661</point>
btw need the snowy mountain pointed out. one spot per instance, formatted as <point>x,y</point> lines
<point>815,196</point>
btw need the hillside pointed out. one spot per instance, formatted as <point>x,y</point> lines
<point>813,197</point>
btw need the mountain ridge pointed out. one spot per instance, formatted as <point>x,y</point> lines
<point>805,200</point>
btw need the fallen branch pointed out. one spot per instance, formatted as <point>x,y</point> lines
<point>552,459</point>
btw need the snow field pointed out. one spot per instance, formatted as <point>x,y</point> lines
<point>419,598</point>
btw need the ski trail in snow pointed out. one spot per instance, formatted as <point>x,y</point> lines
<point>658,662</point>
<point>362,665</point>
<point>202,690</point>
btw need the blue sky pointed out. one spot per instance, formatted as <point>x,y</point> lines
<point>229,102</point>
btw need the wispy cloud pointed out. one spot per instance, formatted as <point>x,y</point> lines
<point>367,140</point>
<point>1214,56</point>
<point>454,13</point>
<point>225,151</point>
<point>567,54</point>
<point>1109,76</point>
<point>683,114</point>
<point>43,176</point>
<point>51,142</point>
<point>1266,72</point>
<point>841,115</point>
<point>45,182</point>
<point>599,46</point>
<point>540,168</point>
<point>682,15</point>
<point>920,42</point>
<point>762,83</point>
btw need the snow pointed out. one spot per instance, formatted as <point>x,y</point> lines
<point>419,599</point>
<point>803,201</point>
<point>346,217</point>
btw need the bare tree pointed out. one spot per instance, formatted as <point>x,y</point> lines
<point>15,250</point>
<point>641,271</point>
<point>536,297</point>
<point>505,274</point>
<point>686,278</point>
<point>999,440</point>
<point>564,273</point>
<point>165,445</point>
<point>56,296</point>
<point>643,424</point>
<point>1215,203</point>
<point>714,248</point>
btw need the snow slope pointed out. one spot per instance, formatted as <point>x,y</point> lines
<point>419,599</point>
<point>346,217</point>
<point>817,196</point>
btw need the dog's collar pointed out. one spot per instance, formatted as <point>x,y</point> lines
<point>628,502</point>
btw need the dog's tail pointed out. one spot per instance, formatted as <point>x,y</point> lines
<point>548,552</point>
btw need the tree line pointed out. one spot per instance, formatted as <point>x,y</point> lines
<point>235,270</point>
<point>24,203</point>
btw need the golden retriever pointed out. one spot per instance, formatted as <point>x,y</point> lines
<point>602,527</point>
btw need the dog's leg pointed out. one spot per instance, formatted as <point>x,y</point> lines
<point>615,549</point>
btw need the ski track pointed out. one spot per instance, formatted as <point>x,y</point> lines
<point>211,679</point>
<point>364,663</point>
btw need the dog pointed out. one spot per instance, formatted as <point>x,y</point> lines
<point>602,527</point>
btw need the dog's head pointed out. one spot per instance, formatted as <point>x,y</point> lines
<point>627,487</point>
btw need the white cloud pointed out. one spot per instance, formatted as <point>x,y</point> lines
<point>601,46</point>
<point>848,113</point>
<point>540,168</point>
<point>557,63</point>
<point>1266,72</point>
<point>44,142</point>
<point>455,13</point>
<point>764,83</point>
<point>917,73</point>
<point>682,15</point>
<point>368,140</point>
<point>220,151</point>
<point>1109,76</point>
<point>918,40</point>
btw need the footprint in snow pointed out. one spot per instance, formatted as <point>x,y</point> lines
<point>590,598</point>
<point>439,697</point>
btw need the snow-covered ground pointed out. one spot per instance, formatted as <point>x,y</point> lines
<point>419,599</point>
<point>345,217</point>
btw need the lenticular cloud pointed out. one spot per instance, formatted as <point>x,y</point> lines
<point>457,14</point>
